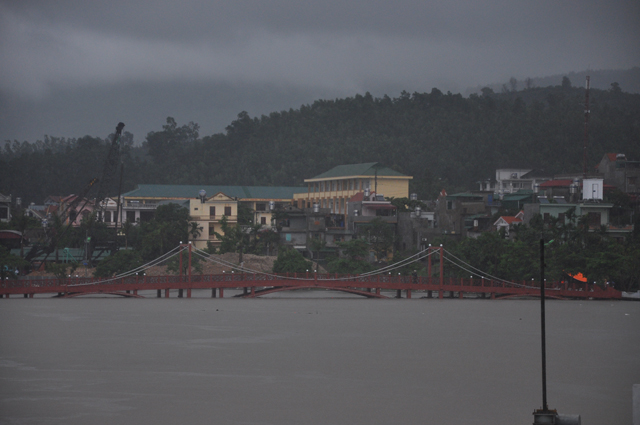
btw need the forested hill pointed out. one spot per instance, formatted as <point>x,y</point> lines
<point>442,140</point>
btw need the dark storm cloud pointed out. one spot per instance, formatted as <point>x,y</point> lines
<point>329,48</point>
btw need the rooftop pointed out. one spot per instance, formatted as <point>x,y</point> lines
<point>162,191</point>
<point>369,169</point>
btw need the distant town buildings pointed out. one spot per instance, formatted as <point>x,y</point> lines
<point>342,202</point>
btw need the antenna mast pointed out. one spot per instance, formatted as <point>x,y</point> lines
<point>586,131</point>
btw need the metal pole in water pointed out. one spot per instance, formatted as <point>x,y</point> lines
<point>544,415</point>
<point>545,407</point>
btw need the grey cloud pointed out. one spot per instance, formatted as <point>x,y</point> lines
<point>329,48</point>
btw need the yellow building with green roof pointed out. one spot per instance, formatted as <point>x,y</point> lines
<point>333,189</point>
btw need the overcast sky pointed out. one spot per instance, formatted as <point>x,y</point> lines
<point>75,67</point>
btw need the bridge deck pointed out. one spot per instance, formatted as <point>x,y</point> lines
<point>254,285</point>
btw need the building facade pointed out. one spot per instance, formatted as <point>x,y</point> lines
<point>207,213</point>
<point>333,189</point>
<point>5,208</point>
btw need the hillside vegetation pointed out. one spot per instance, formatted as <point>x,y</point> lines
<point>443,140</point>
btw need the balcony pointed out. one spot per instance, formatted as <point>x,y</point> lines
<point>135,205</point>
<point>216,218</point>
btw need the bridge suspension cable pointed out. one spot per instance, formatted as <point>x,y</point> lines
<point>152,263</point>
<point>135,271</point>
<point>399,264</point>
<point>480,272</point>
<point>456,261</point>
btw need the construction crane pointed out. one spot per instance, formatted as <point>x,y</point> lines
<point>108,173</point>
<point>108,177</point>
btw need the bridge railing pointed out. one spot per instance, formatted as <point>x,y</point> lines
<point>253,279</point>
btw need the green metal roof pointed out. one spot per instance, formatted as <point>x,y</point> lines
<point>191,191</point>
<point>464,195</point>
<point>67,255</point>
<point>516,197</point>
<point>351,170</point>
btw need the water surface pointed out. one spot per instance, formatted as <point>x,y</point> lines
<point>313,358</point>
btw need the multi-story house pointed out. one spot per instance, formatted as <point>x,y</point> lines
<point>512,180</point>
<point>76,209</point>
<point>591,206</point>
<point>5,208</point>
<point>459,213</point>
<point>207,212</point>
<point>620,172</point>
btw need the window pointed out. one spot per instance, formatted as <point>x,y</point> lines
<point>212,211</point>
<point>212,230</point>
<point>107,216</point>
<point>227,211</point>
<point>263,220</point>
<point>261,206</point>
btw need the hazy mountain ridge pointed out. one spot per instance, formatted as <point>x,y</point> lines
<point>628,79</point>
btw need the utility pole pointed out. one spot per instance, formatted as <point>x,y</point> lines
<point>546,416</point>
<point>586,131</point>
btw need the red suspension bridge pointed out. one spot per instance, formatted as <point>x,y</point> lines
<point>379,284</point>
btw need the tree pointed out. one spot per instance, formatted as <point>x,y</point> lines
<point>245,214</point>
<point>528,83</point>
<point>232,238</point>
<point>22,222</point>
<point>118,263</point>
<point>566,83</point>
<point>615,88</point>
<point>9,263</point>
<point>291,261</point>
<point>352,258</point>
<point>169,227</point>
<point>61,270</point>
<point>380,236</point>
<point>194,230</point>
<point>406,204</point>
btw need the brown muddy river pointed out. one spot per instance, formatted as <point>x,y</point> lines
<point>313,358</point>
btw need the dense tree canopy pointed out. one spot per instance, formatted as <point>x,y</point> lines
<point>442,140</point>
